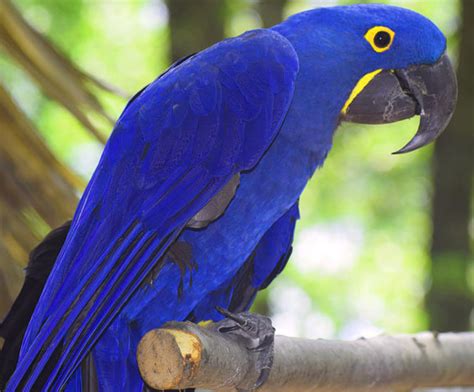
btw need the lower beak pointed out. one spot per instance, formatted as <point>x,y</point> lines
<point>429,91</point>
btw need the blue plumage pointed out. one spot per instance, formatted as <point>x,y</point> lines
<point>174,147</point>
<point>262,106</point>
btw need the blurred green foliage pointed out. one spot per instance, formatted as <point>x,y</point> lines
<point>361,253</point>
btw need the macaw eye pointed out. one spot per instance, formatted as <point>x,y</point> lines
<point>380,38</point>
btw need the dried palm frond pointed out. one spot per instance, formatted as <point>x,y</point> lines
<point>57,76</point>
<point>37,191</point>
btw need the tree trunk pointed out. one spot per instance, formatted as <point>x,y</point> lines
<point>450,300</point>
<point>195,25</point>
<point>271,11</point>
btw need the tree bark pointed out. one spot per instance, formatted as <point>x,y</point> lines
<point>195,25</point>
<point>449,300</point>
<point>183,355</point>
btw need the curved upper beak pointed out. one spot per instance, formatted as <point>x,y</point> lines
<point>427,90</point>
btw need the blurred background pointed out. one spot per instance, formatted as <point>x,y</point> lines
<point>385,242</point>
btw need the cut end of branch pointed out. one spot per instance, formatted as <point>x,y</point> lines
<point>176,356</point>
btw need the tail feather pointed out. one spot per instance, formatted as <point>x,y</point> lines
<point>97,298</point>
<point>125,281</point>
<point>54,328</point>
<point>13,327</point>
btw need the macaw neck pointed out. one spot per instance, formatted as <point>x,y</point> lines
<point>312,118</point>
<point>322,87</point>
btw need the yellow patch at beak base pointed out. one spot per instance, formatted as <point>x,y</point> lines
<point>361,84</point>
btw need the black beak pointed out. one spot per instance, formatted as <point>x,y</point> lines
<point>427,90</point>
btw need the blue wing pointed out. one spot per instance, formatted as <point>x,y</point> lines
<point>114,354</point>
<point>174,147</point>
<point>264,264</point>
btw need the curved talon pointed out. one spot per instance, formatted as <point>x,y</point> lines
<point>232,316</point>
<point>257,333</point>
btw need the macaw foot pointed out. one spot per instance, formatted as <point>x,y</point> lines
<point>256,333</point>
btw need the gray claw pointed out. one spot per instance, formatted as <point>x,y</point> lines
<point>256,333</point>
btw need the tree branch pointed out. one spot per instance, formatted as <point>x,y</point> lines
<point>183,355</point>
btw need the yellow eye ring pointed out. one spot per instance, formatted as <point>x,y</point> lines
<point>380,38</point>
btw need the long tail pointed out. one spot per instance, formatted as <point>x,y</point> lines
<point>13,327</point>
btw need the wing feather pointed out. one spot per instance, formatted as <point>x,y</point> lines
<point>173,149</point>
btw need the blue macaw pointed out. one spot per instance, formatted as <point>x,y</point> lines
<point>195,199</point>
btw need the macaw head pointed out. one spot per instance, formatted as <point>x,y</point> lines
<point>377,64</point>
